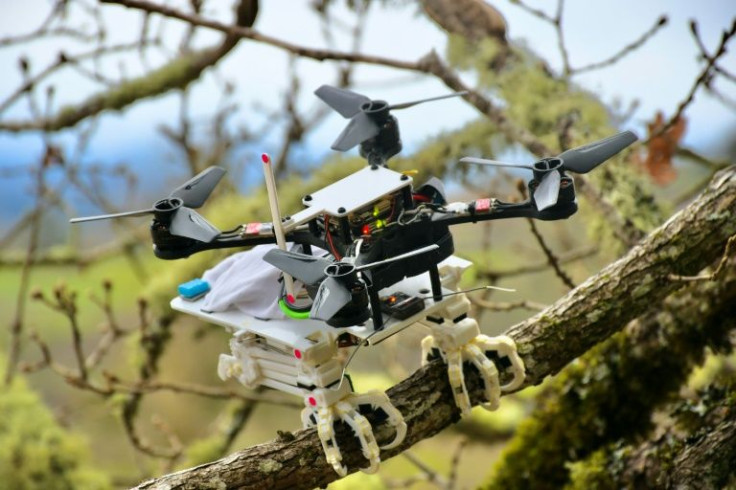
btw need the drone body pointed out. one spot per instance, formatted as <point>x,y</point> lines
<point>390,265</point>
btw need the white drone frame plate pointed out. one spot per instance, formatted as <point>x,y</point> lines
<point>351,193</point>
<point>295,332</point>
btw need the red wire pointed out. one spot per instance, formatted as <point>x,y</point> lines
<point>329,239</point>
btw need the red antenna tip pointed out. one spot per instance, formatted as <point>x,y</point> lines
<point>266,158</point>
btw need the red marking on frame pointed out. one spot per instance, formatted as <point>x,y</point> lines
<point>252,228</point>
<point>312,401</point>
<point>266,158</point>
<point>482,205</point>
<point>297,353</point>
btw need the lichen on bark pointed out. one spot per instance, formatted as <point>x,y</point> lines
<point>701,455</point>
<point>609,392</point>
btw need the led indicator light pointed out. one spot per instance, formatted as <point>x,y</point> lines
<point>312,401</point>
<point>297,353</point>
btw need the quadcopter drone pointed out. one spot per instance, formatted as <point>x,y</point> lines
<point>388,264</point>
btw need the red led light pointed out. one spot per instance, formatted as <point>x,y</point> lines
<point>297,353</point>
<point>312,401</point>
<point>265,158</point>
<point>290,298</point>
<point>366,229</point>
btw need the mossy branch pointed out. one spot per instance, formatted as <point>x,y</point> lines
<point>702,457</point>
<point>584,317</point>
<point>609,392</point>
<point>175,75</point>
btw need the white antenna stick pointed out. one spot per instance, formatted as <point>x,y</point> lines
<point>278,230</point>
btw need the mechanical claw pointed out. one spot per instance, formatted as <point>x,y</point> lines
<point>324,406</point>
<point>462,342</point>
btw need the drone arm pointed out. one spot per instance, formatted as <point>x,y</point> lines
<point>169,247</point>
<point>491,209</point>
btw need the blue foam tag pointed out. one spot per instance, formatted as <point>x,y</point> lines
<point>194,288</point>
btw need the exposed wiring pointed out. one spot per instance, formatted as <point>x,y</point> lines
<point>328,236</point>
<point>350,359</point>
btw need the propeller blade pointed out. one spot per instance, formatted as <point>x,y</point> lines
<point>548,190</point>
<point>126,214</point>
<point>306,268</point>
<point>330,298</point>
<point>406,255</point>
<point>344,101</point>
<point>406,105</point>
<point>587,157</point>
<point>360,128</point>
<point>196,190</point>
<point>495,163</point>
<point>189,224</point>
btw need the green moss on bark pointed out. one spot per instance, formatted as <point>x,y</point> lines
<point>608,393</point>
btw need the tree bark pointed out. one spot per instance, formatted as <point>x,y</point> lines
<point>703,458</point>
<point>590,313</point>
<point>610,393</point>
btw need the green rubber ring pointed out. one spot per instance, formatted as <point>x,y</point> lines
<point>291,313</point>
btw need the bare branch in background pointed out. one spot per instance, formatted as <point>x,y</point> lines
<point>551,257</point>
<point>629,48</point>
<point>706,73</point>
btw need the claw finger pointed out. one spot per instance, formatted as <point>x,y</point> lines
<point>364,432</point>
<point>489,373</point>
<point>427,346</point>
<point>379,399</point>
<point>457,382</point>
<point>326,432</point>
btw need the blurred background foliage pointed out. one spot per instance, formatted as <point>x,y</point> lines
<point>149,400</point>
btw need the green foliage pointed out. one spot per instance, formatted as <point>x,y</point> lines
<point>359,481</point>
<point>592,472</point>
<point>35,452</point>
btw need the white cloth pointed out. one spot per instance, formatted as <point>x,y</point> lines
<point>246,282</point>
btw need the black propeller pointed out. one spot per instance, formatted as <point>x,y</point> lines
<point>175,210</point>
<point>366,115</point>
<point>337,277</point>
<point>580,160</point>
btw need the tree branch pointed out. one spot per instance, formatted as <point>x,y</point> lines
<point>587,315</point>
<point>176,74</point>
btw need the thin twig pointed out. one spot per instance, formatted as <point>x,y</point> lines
<point>713,275</point>
<point>628,49</point>
<point>551,258</point>
<point>705,73</point>
<point>452,478</point>
<point>507,306</point>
